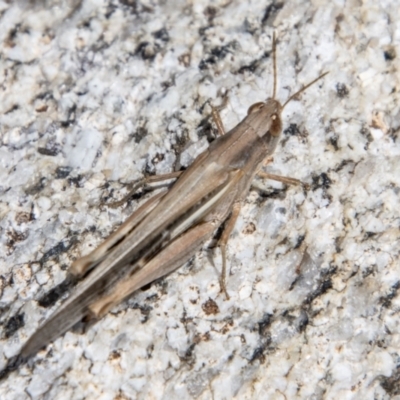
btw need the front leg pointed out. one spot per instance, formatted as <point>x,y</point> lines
<point>279,178</point>
<point>283,179</point>
<point>217,116</point>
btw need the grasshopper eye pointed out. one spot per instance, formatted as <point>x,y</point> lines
<point>276,125</point>
<point>255,107</point>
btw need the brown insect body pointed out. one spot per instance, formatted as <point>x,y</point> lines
<point>239,152</point>
<point>170,227</point>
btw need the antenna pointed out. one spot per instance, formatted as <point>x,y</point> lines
<point>274,62</point>
<point>303,89</point>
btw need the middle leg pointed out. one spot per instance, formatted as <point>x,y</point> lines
<point>229,225</point>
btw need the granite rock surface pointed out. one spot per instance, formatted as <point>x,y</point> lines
<point>97,93</point>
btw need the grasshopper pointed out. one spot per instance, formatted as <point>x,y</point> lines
<point>169,228</point>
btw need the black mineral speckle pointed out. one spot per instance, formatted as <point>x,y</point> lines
<point>13,324</point>
<point>342,90</point>
<point>63,172</point>
<point>292,130</point>
<point>390,54</point>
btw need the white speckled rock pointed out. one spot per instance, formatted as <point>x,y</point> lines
<point>98,93</point>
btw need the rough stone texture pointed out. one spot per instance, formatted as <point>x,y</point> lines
<point>97,93</point>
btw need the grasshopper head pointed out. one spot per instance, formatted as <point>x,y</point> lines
<point>266,117</point>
